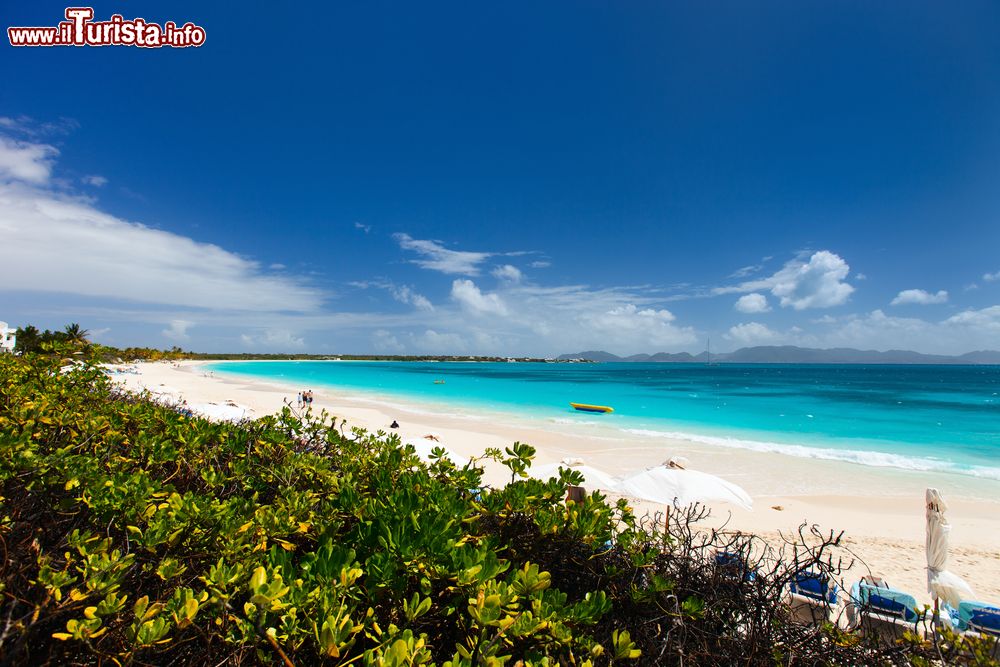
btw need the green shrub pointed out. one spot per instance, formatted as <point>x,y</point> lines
<point>135,535</point>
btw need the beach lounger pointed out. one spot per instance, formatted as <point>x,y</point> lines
<point>879,610</point>
<point>732,566</point>
<point>812,596</point>
<point>974,618</point>
<point>979,617</point>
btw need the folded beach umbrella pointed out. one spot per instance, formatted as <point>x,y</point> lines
<point>672,484</point>
<point>592,477</point>
<point>941,583</point>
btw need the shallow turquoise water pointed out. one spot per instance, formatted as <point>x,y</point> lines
<point>913,417</point>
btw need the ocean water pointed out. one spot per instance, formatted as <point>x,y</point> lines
<point>933,418</point>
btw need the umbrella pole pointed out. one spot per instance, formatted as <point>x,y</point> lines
<point>666,526</point>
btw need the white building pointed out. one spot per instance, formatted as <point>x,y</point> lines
<point>7,338</point>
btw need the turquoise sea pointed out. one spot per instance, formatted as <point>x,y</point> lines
<point>934,418</point>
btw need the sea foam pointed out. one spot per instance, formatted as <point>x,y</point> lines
<point>858,456</point>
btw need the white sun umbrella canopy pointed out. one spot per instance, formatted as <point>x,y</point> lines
<point>672,484</point>
<point>230,412</point>
<point>941,583</point>
<point>424,448</point>
<point>593,478</point>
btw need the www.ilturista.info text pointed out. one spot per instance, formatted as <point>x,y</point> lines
<point>81,30</point>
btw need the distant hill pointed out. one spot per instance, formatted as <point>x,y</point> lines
<point>790,354</point>
<point>592,355</point>
<point>981,357</point>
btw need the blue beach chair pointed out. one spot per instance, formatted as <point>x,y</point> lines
<point>879,610</point>
<point>732,566</point>
<point>979,617</point>
<point>974,618</point>
<point>812,597</point>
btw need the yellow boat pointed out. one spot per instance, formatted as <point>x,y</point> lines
<point>584,407</point>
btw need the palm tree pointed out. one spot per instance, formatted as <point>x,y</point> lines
<point>76,334</point>
<point>28,339</point>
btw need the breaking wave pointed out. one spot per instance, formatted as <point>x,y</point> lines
<point>858,456</point>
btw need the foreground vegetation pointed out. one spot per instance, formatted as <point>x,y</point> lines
<point>134,535</point>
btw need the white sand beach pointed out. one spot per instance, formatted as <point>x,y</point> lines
<point>881,510</point>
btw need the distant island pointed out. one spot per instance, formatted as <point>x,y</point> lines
<point>790,354</point>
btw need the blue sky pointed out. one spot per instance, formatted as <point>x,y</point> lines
<point>520,178</point>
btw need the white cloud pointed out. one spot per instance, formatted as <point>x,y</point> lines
<point>278,340</point>
<point>486,341</point>
<point>646,329</point>
<point>402,293</point>
<point>814,283</point>
<point>969,330</point>
<point>386,343</point>
<point>29,127</point>
<point>817,283</point>
<point>507,272</point>
<point>178,330</point>
<point>95,180</point>
<point>436,257</point>
<point>466,294</point>
<point>991,277</point>
<point>920,297</point>
<point>860,276</point>
<point>985,320</point>
<point>58,243</point>
<point>752,303</point>
<point>24,161</point>
<point>363,227</point>
<point>518,318</point>
<point>432,342</point>
<point>406,294</point>
<point>751,333</point>
<point>540,264</point>
<point>100,269</point>
<point>965,331</point>
<point>745,271</point>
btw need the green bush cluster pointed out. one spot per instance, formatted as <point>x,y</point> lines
<point>131,534</point>
<point>151,534</point>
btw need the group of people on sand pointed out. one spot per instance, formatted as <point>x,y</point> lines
<point>305,399</point>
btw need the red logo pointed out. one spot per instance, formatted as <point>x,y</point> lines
<point>80,29</point>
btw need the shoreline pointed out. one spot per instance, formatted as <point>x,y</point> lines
<point>839,465</point>
<point>881,509</point>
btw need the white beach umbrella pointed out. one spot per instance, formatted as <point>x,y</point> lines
<point>592,477</point>
<point>941,583</point>
<point>424,448</point>
<point>671,484</point>
<point>224,412</point>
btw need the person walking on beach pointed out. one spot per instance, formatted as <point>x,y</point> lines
<point>298,401</point>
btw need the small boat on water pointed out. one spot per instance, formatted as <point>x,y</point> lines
<point>438,381</point>
<point>585,407</point>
